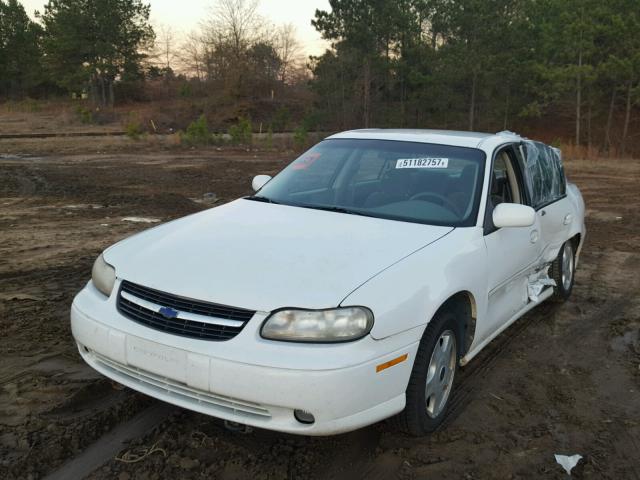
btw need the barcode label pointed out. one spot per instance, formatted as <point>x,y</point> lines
<point>430,162</point>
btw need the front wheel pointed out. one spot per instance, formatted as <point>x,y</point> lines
<point>563,271</point>
<point>432,376</point>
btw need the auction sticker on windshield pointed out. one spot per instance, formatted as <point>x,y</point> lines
<point>429,162</point>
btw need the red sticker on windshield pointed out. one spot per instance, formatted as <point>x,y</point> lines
<point>306,161</point>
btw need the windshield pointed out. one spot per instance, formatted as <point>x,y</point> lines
<point>408,181</point>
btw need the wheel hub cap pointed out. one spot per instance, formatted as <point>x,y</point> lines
<point>567,266</point>
<point>442,367</point>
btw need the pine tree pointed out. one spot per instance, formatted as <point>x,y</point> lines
<point>89,43</point>
<point>20,55</point>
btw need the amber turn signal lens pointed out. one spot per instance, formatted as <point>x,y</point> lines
<point>391,363</point>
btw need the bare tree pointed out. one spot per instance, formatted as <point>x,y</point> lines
<point>234,23</point>
<point>242,54</point>
<point>163,53</point>
<point>192,56</point>
<point>289,50</point>
<point>165,40</point>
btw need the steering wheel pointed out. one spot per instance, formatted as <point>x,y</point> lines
<point>440,200</point>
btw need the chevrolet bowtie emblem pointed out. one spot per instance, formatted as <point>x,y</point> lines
<point>168,312</point>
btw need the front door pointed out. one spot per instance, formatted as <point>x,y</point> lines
<point>513,252</point>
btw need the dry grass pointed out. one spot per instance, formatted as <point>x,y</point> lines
<point>582,152</point>
<point>168,116</point>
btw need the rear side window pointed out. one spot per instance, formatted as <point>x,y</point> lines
<point>544,174</point>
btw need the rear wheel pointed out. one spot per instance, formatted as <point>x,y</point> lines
<point>563,271</point>
<point>432,377</point>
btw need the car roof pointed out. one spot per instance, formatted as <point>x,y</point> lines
<point>441,137</point>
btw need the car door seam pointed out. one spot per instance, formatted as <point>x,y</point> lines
<point>517,274</point>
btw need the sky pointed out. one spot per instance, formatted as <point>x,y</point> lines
<point>185,15</point>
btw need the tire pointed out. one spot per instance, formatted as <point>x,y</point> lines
<point>423,414</point>
<point>563,271</point>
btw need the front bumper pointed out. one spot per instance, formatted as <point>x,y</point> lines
<point>247,379</point>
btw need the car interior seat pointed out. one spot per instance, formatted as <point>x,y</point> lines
<point>393,189</point>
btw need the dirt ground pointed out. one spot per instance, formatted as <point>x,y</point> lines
<point>564,379</point>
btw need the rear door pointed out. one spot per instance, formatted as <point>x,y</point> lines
<point>547,188</point>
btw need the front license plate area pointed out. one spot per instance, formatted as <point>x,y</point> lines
<point>155,358</point>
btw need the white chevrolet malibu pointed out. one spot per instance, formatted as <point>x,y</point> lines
<point>347,290</point>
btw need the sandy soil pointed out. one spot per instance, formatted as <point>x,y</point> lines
<point>564,379</point>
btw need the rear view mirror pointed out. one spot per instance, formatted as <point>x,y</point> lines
<point>513,215</point>
<point>259,181</point>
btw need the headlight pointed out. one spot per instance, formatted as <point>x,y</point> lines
<point>103,275</point>
<point>335,325</point>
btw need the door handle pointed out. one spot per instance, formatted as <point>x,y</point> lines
<point>543,213</point>
<point>568,218</point>
<point>534,236</point>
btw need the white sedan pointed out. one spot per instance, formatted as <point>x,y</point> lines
<point>347,290</point>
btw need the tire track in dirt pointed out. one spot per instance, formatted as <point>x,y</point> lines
<point>108,446</point>
<point>25,182</point>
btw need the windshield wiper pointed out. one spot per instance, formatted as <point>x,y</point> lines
<point>260,198</point>
<point>331,208</point>
<point>326,208</point>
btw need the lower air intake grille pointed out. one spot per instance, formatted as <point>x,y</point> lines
<point>171,389</point>
<point>179,315</point>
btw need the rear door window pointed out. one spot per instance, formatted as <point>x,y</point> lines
<point>544,174</point>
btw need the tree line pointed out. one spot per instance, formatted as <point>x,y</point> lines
<point>565,66</point>
<point>107,48</point>
<point>483,65</point>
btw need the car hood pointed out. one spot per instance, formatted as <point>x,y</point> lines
<point>264,256</point>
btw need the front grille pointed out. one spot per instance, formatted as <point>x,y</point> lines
<point>208,321</point>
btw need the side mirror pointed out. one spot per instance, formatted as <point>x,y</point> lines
<point>513,215</point>
<point>259,181</point>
